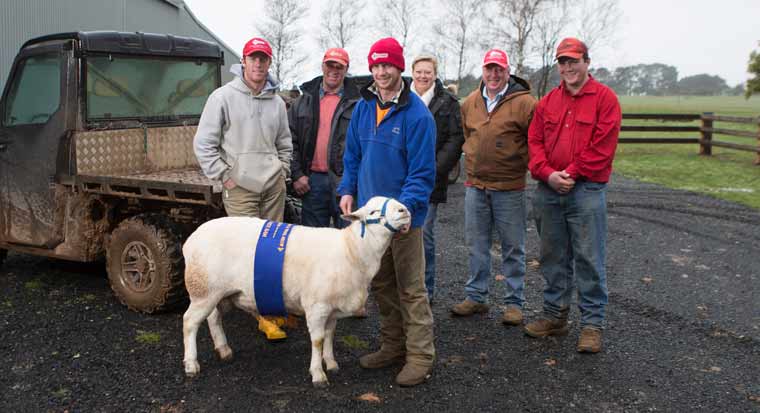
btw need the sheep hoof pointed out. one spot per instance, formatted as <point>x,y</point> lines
<point>192,368</point>
<point>320,384</point>
<point>224,353</point>
<point>319,379</point>
<point>332,367</point>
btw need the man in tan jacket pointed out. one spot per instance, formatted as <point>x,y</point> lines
<point>495,119</point>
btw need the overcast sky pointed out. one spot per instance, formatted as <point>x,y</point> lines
<point>695,36</point>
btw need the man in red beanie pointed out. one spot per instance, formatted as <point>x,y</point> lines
<point>390,151</point>
<point>243,142</point>
<point>318,122</point>
<point>572,142</point>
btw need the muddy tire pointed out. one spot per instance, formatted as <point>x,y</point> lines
<point>3,254</point>
<point>145,264</point>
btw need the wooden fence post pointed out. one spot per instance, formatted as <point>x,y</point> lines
<point>705,148</point>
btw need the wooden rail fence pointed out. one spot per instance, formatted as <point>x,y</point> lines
<point>706,131</point>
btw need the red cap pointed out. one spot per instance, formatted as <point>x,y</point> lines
<point>571,47</point>
<point>336,54</point>
<point>386,50</point>
<point>257,44</point>
<point>496,56</point>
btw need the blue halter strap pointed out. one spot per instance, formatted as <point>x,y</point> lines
<point>377,220</point>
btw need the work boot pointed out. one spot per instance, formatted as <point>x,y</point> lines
<point>269,325</point>
<point>381,358</point>
<point>590,340</point>
<point>544,327</point>
<point>413,374</point>
<point>468,307</point>
<point>512,316</point>
<point>291,321</point>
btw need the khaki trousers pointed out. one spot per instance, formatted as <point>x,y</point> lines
<point>270,204</point>
<point>406,320</point>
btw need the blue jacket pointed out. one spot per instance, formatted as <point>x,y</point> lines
<point>394,159</point>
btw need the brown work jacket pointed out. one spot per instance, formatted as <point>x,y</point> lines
<point>496,143</point>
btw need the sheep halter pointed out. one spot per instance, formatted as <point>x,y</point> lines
<point>377,220</point>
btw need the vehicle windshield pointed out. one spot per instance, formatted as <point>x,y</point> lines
<point>138,87</point>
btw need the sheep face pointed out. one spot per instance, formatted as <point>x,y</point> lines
<point>384,211</point>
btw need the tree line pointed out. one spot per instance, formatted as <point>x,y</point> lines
<point>753,84</point>
<point>457,31</point>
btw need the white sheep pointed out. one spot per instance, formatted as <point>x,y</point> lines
<point>326,273</point>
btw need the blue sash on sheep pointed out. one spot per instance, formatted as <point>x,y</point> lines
<point>267,268</point>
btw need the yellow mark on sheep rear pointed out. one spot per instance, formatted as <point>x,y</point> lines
<point>196,282</point>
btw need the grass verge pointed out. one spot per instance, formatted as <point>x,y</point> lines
<point>727,174</point>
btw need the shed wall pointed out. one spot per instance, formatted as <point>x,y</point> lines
<point>21,20</point>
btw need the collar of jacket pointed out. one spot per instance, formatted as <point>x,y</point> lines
<point>403,99</point>
<point>516,84</point>
<point>439,89</point>
<point>440,96</point>
<point>312,87</point>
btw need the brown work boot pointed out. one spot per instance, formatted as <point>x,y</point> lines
<point>512,316</point>
<point>381,358</point>
<point>468,307</point>
<point>291,321</point>
<point>590,340</point>
<point>413,374</point>
<point>544,327</point>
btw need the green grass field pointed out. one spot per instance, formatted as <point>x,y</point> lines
<point>724,105</point>
<point>727,174</point>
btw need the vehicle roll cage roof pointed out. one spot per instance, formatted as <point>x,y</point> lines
<point>136,43</point>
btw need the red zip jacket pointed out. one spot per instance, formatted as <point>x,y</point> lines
<point>577,134</point>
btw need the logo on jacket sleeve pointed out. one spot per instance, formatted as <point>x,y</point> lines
<point>396,130</point>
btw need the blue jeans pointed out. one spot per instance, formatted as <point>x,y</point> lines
<point>320,204</point>
<point>428,237</point>
<point>505,211</point>
<point>573,231</point>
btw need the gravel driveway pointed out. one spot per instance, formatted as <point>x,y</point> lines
<point>683,333</point>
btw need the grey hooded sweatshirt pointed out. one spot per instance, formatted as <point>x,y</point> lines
<point>244,136</point>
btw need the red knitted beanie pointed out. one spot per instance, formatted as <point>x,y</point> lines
<point>386,50</point>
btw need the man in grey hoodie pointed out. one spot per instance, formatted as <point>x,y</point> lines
<point>243,141</point>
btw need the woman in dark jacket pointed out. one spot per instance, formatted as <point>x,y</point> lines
<point>448,147</point>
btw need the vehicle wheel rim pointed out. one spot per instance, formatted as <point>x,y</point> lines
<point>137,267</point>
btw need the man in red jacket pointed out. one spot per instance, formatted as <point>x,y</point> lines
<point>572,142</point>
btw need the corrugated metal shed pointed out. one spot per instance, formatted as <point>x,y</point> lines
<point>21,20</point>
